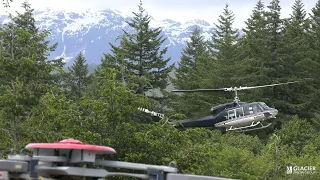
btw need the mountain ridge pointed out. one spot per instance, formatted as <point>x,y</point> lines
<point>91,31</point>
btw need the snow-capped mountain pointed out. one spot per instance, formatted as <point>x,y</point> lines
<point>91,31</point>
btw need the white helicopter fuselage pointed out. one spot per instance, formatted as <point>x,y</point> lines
<point>248,120</point>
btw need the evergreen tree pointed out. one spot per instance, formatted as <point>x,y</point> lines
<point>25,71</point>
<point>296,56</point>
<point>225,37</point>
<point>189,76</point>
<point>77,77</point>
<point>116,61</point>
<point>186,74</point>
<point>255,33</point>
<point>215,68</point>
<point>142,54</point>
<point>310,67</point>
<point>297,46</point>
<point>32,46</point>
<point>253,52</point>
<point>274,39</point>
<point>281,50</point>
<point>224,41</point>
<point>315,31</point>
<point>273,67</point>
<point>113,60</point>
<point>220,70</point>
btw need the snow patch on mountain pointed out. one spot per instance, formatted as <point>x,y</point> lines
<point>92,30</point>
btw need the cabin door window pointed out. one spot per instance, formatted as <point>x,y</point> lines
<point>231,114</point>
<point>251,110</point>
<point>239,112</point>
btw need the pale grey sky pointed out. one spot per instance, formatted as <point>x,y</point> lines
<point>180,10</point>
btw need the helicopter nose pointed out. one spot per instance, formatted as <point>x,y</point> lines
<point>271,114</point>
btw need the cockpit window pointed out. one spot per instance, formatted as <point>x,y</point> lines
<point>264,106</point>
<point>254,108</point>
<point>215,110</point>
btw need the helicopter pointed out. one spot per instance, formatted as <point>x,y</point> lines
<point>236,115</point>
<point>233,116</point>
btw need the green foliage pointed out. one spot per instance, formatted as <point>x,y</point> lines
<point>233,162</point>
<point>186,72</point>
<point>225,52</point>
<point>225,37</point>
<point>214,68</point>
<point>315,30</point>
<point>77,78</point>
<point>104,110</point>
<point>278,50</point>
<point>310,73</point>
<point>25,71</point>
<point>254,40</point>
<point>139,61</point>
<point>253,51</point>
<point>242,141</point>
<point>119,102</point>
<point>54,117</point>
<point>189,74</point>
<point>140,55</point>
<point>297,133</point>
<point>274,65</point>
<point>296,55</point>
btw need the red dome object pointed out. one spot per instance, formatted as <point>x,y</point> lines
<point>72,144</point>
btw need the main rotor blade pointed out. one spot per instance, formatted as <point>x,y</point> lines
<point>232,89</point>
<point>269,85</point>
<point>202,90</point>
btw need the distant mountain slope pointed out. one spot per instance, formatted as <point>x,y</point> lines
<point>91,31</point>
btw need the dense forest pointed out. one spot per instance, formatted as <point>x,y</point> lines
<point>40,101</point>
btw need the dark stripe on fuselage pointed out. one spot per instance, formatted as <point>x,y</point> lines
<point>207,121</point>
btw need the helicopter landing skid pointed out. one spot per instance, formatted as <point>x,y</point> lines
<point>250,127</point>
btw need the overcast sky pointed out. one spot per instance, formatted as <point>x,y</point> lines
<point>180,10</point>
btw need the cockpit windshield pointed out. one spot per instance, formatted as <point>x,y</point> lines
<point>264,106</point>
